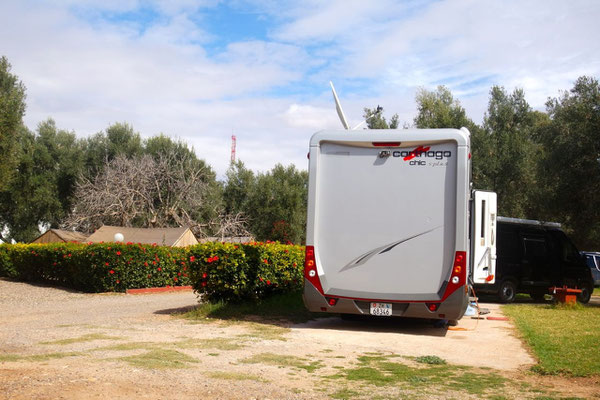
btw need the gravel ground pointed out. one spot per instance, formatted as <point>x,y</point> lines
<point>56,343</point>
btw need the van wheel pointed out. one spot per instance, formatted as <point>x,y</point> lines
<point>586,293</point>
<point>507,291</point>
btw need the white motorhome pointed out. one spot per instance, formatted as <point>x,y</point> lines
<point>388,230</point>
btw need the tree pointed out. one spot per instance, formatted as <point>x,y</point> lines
<point>41,193</point>
<point>12,109</point>
<point>510,152</point>
<point>572,161</point>
<point>239,183</point>
<point>277,205</point>
<point>119,138</point>
<point>439,109</point>
<point>376,120</point>
<point>145,191</point>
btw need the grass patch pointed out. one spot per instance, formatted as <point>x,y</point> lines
<point>380,371</point>
<point>36,357</point>
<point>344,394</point>
<point>213,343</point>
<point>234,376</point>
<point>85,338</point>
<point>565,339</point>
<point>286,306</point>
<point>283,361</point>
<point>596,292</point>
<point>133,346</point>
<point>160,359</point>
<point>266,332</point>
<point>431,360</point>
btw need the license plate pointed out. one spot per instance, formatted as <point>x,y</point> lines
<point>381,309</point>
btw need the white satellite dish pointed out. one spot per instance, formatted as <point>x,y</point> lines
<point>340,112</point>
<point>338,108</point>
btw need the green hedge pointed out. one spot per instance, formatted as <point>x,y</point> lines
<point>218,271</point>
<point>228,271</point>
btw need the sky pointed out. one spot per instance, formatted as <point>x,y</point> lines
<point>202,71</point>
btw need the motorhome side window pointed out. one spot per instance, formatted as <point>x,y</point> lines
<point>535,246</point>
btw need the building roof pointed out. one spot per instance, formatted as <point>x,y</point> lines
<point>66,236</point>
<point>159,236</point>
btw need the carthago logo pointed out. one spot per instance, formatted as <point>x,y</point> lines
<point>416,156</point>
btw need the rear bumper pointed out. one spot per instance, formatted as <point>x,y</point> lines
<point>452,308</point>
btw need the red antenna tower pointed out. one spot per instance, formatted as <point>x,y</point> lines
<point>233,140</point>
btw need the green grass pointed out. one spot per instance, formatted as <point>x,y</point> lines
<point>596,292</point>
<point>283,361</point>
<point>212,343</point>
<point>287,306</point>
<point>235,376</point>
<point>160,359</point>
<point>380,371</point>
<point>36,357</point>
<point>85,338</point>
<point>565,339</point>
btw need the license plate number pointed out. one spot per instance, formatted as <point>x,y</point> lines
<point>381,309</point>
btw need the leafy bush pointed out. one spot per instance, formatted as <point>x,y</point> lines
<point>218,271</point>
<point>232,272</point>
<point>96,267</point>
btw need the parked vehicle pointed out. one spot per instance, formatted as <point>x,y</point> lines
<point>533,256</point>
<point>593,261</point>
<point>388,223</point>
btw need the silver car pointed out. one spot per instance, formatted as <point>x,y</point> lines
<point>593,261</point>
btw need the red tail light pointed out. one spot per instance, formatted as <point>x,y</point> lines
<point>432,306</point>
<point>332,301</point>
<point>310,269</point>
<point>458,277</point>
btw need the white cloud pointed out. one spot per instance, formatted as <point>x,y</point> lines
<point>86,71</point>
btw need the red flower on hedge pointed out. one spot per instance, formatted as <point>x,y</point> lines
<point>203,284</point>
<point>179,274</point>
<point>149,275</point>
<point>204,275</point>
<point>118,281</point>
<point>118,253</point>
<point>112,271</point>
<point>106,264</point>
<point>192,259</point>
<point>268,282</point>
<point>159,269</point>
<point>175,279</point>
<point>266,261</point>
<point>146,263</point>
<point>154,262</point>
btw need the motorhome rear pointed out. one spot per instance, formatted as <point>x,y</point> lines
<point>387,229</point>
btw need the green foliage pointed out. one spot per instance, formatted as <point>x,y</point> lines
<point>277,205</point>
<point>439,109</point>
<point>234,272</point>
<point>376,120</point>
<point>564,339</point>
<point>239,184</point>
<point>96,267</point>
<point>572,163</point>
<point>12,109</point>
<point>41,193</point>
<point>509,152</point>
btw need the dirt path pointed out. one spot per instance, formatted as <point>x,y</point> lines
<point>60,344</point>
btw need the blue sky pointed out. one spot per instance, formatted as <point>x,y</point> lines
<point>204,70</point>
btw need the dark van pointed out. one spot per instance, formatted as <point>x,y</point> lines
<point>533,256</point>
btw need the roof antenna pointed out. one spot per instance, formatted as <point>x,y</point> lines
<point>340,112</point>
